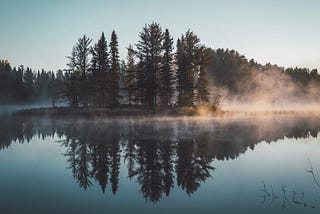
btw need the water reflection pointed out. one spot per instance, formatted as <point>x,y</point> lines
<point>153,155</point>
<point>157,154</point>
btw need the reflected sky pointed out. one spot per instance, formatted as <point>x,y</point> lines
<point>54,166</point>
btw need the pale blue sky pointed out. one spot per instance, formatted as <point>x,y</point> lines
<point>41,33</point>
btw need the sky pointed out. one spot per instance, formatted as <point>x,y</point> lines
<point>40,33</point>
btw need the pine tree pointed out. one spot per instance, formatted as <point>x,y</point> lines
<point>17,85</point>
<point>130,80</point>
<point>72,91</point>
<point>141,83</point>
<point>114,70</point>
<point>149,53</point>
<point>100,69</point>
<point>202,83</point>
<point>28,80</point>
<point>122,83</point>
<point>187,62</point>
<point>58,87</point>
<point>5,69</point>
<point>82,56</point>
<point>78,90</point>
<point>180,63</point>
<point>166,76</point>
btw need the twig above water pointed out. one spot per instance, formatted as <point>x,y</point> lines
<point>313,175</point>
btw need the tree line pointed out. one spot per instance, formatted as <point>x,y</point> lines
<point>20,85</point>
<point>155,73</point>
<point>152,75</point>
<point>231,70</point>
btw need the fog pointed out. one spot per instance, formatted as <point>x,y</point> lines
<point>260,91</point>
<point>270,90</point>
<point>9,109</point>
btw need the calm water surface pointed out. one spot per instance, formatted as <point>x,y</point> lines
<point>244,165</point>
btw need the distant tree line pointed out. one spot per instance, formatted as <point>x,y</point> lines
<point>230,70</point>
<point>19,85</point>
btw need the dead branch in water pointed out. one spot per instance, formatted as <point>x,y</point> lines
<point>312,173</point>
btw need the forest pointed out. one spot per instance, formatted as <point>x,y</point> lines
<point>154,74</point>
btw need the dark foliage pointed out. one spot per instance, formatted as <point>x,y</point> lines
<point>153,75</point>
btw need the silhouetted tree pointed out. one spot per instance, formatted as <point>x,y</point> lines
<point>123,99</point>
<point>114,70</point>
<point>78,90</point>
<point>130,78</point>
<point>166,76</point>
<point>5,69</point>
<point>17,84</point>
<point>188,53</point>
<point>202,83</point>
<point>228,69</point>
<point>59,87</point>
<point>28,80</point>
<point>72,92</point>
<point>100,69</point>
<point>149,53</point>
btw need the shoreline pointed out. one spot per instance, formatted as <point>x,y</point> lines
<point>154,113</point>
<point>106,112</point>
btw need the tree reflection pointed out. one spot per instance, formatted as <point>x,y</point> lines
<point>193,164</point>
<point>167,157</point>
<point>157,154</point>
<point>93,152</point>
<point>154,156</point>
<point>78,153</point>
<point>115,162</point>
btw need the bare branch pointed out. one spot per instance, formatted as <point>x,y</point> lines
<point>312,172</point>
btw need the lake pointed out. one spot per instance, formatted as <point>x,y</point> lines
<point>160,165</point>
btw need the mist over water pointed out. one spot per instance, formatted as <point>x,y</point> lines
<point>9,109</point>
<point>271,90</point>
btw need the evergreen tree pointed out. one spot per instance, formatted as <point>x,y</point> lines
<point>20,80</point>
<point>79,68</point>
<point>114,70</point>
<point>130,80</point>
<point>122,83</point>
<point>42,85</point>
<point>202,83</point>
<point>28,80</point>
<point>149,53</point>
<point>5,69</point>
<point>72,92</point>
<point>17,84</point>
<point>166,76</point>
<point>181,67</point>
<point>115,163</point>
<point>188,48</point>
<point>141,83</point>
<point>58,87</point>
<point>100,69</point>
<point>82,60</point>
